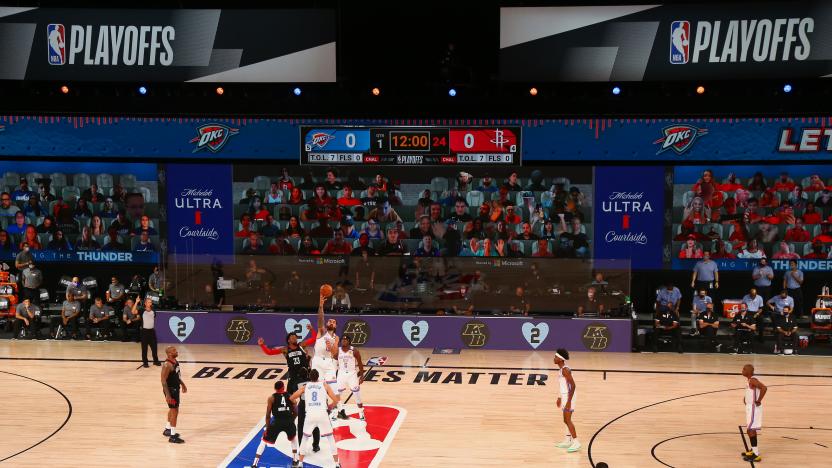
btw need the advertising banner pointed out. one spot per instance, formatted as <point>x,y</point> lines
<point>665,140</point>
<point>200,211</point>
<point>400,331</point>
<point>666,42</point>
<point>78,44</point>
<point>629,214</point>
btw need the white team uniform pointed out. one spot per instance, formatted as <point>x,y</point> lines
<point>753,413</point>
<point>564,390</point>
<point>322,361</point>
<point>315,396</point>
<point>347,370</point>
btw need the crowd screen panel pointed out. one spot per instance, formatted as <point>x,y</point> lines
<point>460,285</point>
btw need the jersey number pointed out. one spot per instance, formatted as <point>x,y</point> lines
<point>314,396</point>
<point>535,335</point>
<point>297,360</point>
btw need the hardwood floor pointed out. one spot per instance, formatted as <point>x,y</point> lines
<point>477,408</point>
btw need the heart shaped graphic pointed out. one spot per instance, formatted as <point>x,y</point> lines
<point>181,327</point>
<point>535,335</point>
<point>415,332</point>
<point>297,327</point>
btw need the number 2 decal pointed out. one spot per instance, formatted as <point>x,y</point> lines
<point>535,335</point>
<point>414,333</point>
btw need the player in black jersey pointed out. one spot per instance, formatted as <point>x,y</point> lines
<point>280,417</point>
<point>171,382</point>
<point>298,361</point>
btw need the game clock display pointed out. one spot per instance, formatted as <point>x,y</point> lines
<point>410,146</point>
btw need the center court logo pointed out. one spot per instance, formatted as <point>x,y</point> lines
<point>596,337</point>
<point>239,330</point>
<point>358,332</point>
<point>679,138</point>
<point>474,334</point>
<point>213,137</point>
<point>679,42</point>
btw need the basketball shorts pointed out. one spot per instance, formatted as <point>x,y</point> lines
<point>754,417</point>
<point>317,419</point>
<point>347,380</point>
<point>325,368</point>
<point>563,399</point>
<point>275,428</point>
<point>174,393</point>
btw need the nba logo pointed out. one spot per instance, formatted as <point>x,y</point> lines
<point>679,42</point>
<point>55,35</point>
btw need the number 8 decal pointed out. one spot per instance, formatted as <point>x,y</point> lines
<point>314,396</point>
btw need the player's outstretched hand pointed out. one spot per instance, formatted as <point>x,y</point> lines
<point>260,341</point>
<point>322,301</point>
<point>310,327</point>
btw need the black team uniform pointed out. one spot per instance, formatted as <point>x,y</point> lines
<point>282,419</point>
<point>173,383</point>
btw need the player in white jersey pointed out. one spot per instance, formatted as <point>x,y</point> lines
<point>566,400</point>
<point>753,400</point>
<point>350,375</point>
<point>326,347</point>
<point>315,395</point>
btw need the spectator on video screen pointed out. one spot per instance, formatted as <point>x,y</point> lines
<point>92,194</point>
<point>811,214</point>
<point>697,212</point>
<point>427,248</point>
<point>373,196</point>
<point>475,229</point>
<point>373,229</point>
<point>392,245</point>
<point>798,197</point>
<point>798,233</point>
<point>33,208</point>
<point>731,184</point>
<point>30,238</point>
<point>720,251</point>
<point>45,193</point>
<point>752,250</point>
<point>281,246</point>
<point>108,209</point>
<point>257,210</point>
<point>487,184</point>
<point>144,244</point>
<point>113,243</point>
<point>275,195</point>
<point>245,226</point>
<point>384,213</point>
<point>285,182</point>
<point>769,198</point>
<point>783,252</point>
<point>526,232</point>
<point>817,251</point>
<point>348,198</point>
<point>422,228</point>
<point>59,243</point>
<point>337,245</point>
<point>7,209</point>
<point>308,247</point>
<point>86,241</point>
<point>97,226</point>
<point>512,218</point>
<point>824,199</point>
<point>690,249</point>
<point>6,244</point>
<point>295,196</point>
<point>784,214</point>
<point>294,229</point>
<point>47,226</point>
<point>323,230</point>
<point>758,182</point>
<point>784,183</point>
<point>363,246</point>
<point>332,183</point>
<point>144,226</point>
<point>766,233</point>
<point>119,195</point>
<point>270,227</point>
<point>135,205</point>
<point>23,193</point>
<point>82,209</point>
<point>463,181</point>
<point>512,183</point>
<point>460,213</point>
<point>18,227</point>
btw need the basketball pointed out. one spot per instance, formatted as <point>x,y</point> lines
<point>326,290</point>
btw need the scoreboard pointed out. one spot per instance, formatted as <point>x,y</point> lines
<point>410,146</point>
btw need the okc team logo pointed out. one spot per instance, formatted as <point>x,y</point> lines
<point>318,140</point>
<point>679,42</point>
<point>55,43</point>
<point>213,137</point>
<point>679,138</point>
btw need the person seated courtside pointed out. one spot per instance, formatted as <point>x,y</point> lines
<point>708,323</point>
<point>786,332</point>
<point>667,324</point>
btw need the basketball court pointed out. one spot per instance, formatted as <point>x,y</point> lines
<point>87,404</point>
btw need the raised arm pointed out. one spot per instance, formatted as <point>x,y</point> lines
<point>313,335</point>
<point>321,315</point>
<point>267,350</point>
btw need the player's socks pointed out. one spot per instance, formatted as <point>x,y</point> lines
<point>172,431</point>
<point>294,443</point>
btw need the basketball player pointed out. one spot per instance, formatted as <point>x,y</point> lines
<point>280,417</point>
<point>754,393</point>
<point>566,400</point>
<point>326,347</point>
<point>171,381</point>
<point>348,359</point>
<point>315,394</point>
<point>298,361</point>
<point>316,434</point>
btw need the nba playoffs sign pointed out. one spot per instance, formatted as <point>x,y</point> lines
<point>168,45</point>
<point>385,331</point>
<point>629,214</point>
<point>666,42</point>
<point>200,211</point>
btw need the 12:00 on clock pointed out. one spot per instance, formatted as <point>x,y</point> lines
<point>410,141</point>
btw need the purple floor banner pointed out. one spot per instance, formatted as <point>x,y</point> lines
<point>401,331</point>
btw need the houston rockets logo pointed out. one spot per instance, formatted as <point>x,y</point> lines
<point>360,444</point>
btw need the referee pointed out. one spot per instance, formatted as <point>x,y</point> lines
<point>148,331</point>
